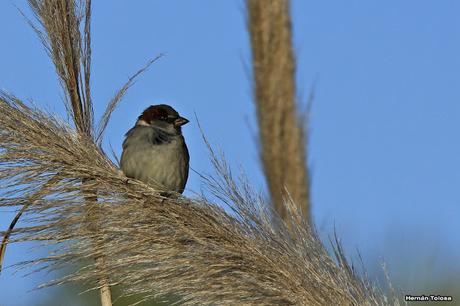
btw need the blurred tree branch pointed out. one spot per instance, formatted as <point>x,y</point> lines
<point>283,150</point>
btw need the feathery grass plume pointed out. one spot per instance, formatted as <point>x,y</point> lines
<point>59,24</point>
<point>60,32</point>
<point>154,245</point>
<point>283,145</point>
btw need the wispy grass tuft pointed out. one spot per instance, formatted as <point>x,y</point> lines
<point>154,245</point>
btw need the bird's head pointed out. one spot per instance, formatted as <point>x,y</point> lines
<point>162,116</point>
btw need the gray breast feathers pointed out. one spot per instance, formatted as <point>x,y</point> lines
<point>156,158</point>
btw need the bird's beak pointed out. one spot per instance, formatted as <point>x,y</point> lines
<point>180,121</point>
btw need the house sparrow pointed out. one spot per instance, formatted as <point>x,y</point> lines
<point>154,150</point>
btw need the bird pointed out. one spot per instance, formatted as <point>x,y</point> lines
<point>154,150</point>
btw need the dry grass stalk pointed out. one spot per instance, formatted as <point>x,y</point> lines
<point>70,51</point>
<point>157,246</point>
<point>94,217</point>
<point>283,145</point>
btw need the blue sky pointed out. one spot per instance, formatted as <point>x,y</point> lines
<point>384,149</point>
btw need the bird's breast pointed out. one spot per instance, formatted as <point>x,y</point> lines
<point>163,166</point>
